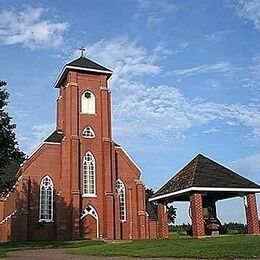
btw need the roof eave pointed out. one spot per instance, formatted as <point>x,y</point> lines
<point>67,67</point>
<point>203,189</point>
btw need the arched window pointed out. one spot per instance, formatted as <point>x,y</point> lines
<point>88,103</point>
<point>46,199</point>
<point>89,210</point>
<point>88,132</point>
<point>89,175</point>
<point>120,188</point>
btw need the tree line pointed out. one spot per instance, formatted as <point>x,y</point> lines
<point>10,154</point>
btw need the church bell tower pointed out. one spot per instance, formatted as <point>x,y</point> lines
<point>84,118</point>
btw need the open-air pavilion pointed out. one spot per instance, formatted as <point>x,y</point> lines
<point>203,182</point>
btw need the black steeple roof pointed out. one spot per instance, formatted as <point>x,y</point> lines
<point>82,64</point>
<point>204,172</point>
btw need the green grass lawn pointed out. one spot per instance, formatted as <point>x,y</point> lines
<point>219,247</point>
<point>12,246</point>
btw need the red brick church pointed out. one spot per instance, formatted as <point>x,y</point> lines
<point>79,183</point>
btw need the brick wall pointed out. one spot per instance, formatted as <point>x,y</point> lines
<point>153,229</point>
<point>14,212</point>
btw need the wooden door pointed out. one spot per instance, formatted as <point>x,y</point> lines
<point>89,227</point>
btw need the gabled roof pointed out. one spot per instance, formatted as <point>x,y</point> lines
<point>82,64</point>
<point>54,137</point>
<point>204,174</point>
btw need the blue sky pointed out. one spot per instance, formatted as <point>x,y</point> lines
<point>186,78</point>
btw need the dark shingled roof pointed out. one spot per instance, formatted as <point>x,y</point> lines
<point>204,172</point>
<point>84,63</point>
<point>55,137</point>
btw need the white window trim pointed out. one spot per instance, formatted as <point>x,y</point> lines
<point>91,130</point>
<point>51,219</point>
<point>46,220</point>
<point>124,191</point>
<point>94,169</point>
<point>83,98</point>
<point>87,195</point>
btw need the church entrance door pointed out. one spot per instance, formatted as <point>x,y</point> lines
<point>89,227</point>
<point>89,223</point>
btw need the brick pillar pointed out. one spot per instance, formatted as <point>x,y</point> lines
<point>142,224</point>
<point>251,215</point>
<point>110,215</point>
<point>147,225</point>
<point>197,215</point>
<point>109,227</point>
<point>22,203</point>
<point>162,220</point>
<point>130,212</point>
<point>141,209</point>
<point>75,188</point>
<point>75,214</point>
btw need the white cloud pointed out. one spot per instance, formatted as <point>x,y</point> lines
<point>250,11</point>
<point>125,57</point>
<point>211,130</point>
<point>41,131</point>
<point>164,112</point>
<point>219,35</point>
<point>28,28</point>
<point>141,109</point>
<point>154,12</point>
<point>31,140</point>
<point>252,75</point>
<point>223,67</point>
<point>212,84</point>
<point>161,52</point>
<point>248,166</point>
<point>183,45</point>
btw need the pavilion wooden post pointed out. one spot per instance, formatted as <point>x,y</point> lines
<point>251,215</point>
<point>198,229</point>
<point>162,220</point>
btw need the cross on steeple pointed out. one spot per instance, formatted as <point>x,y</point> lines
<point>82,51</point>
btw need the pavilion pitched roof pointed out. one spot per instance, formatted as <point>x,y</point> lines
<point>204,174</point>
